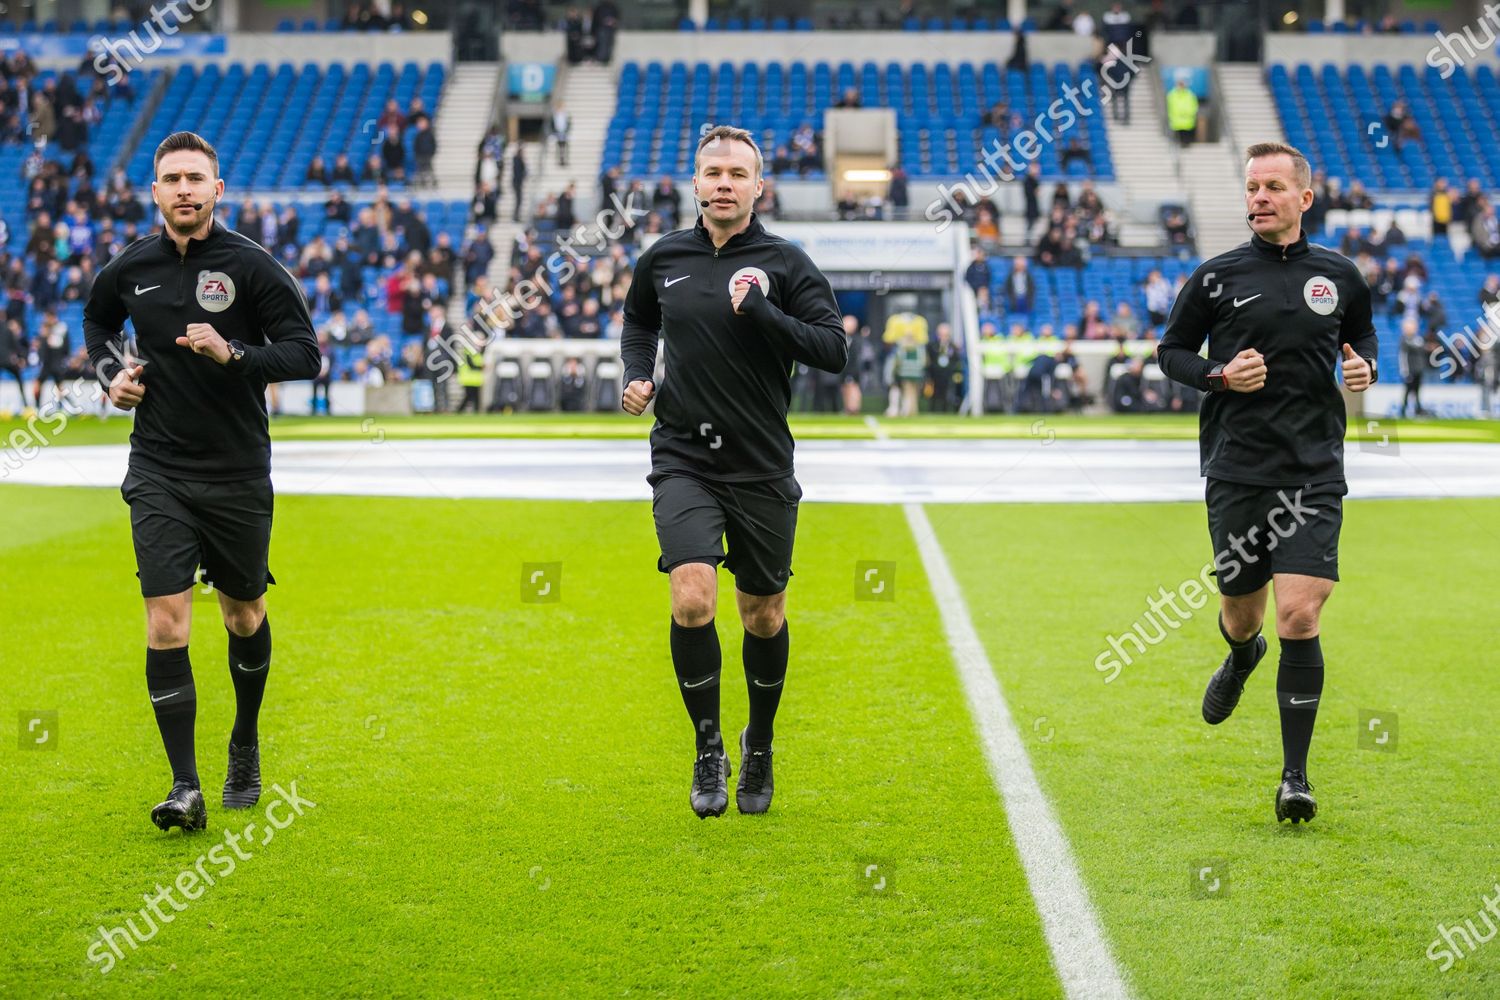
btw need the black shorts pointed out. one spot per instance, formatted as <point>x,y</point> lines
<point>1258,531</point>
<point>179,525</point>
<point>695,517</point>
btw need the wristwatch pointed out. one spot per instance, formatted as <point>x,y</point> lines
<point>1216,382</point>
<point>236,352</point>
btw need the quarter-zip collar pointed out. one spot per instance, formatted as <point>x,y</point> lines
<point>195,246</point>
<point>750,234</point>
<point>1277,251</point>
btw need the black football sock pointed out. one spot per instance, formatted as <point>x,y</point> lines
<point>1299,688</point>
<point>169,680</point>
<point>1241,654</point>
<point>697,659</point>
<point>765,675</point>
<point>249,665</point>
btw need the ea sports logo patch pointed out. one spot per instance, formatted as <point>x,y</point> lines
<point>215,290</point>
<point>1321,295</point>
<point>756,275</point>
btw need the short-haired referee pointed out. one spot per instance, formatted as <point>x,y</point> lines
<point>216,319</point>
<point>1279,315</point>
<point>737,307</point>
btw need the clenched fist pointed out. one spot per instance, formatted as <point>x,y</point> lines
<point>1246,372</point>
<point>637,395</point>
<point>205,340</point>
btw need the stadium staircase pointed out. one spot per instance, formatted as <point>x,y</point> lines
<point>588,92</point>
<point>1214,177</point>
<point>466,112</point>
<point>1144,163</point>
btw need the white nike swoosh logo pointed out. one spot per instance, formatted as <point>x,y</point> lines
<point>758,684</point>
<point>142,291</point>
<point>699,684</point>
<point>669,282</point>
<point>1305,701</point>
<point>251,670</point>
<point>1240,302</point>
<point>164,697</point>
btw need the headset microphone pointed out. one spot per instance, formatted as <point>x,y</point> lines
<point>704,203</point>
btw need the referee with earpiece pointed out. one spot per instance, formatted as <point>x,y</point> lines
<point>216,319</point>
<point>737,308</point>
<point>1280,316</point>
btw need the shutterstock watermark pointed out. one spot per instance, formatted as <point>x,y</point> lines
<point>26,443</point>
<point>1027,144</point>
<point>1463,350</point>
<point>1281,523</point>
<point>1464,939</point>
<point>1446,49</point>
<point>116,56</point>
<point>194,880</point>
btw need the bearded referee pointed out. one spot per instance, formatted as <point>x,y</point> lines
<point>1280,315</point>
<point>216,319</point>
<point>736,307</point>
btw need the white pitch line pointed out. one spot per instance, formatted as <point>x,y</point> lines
<point>1080,952</point>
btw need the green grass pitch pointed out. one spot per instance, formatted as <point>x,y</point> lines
<point>501,785</point>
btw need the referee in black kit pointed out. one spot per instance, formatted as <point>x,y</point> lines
<point>216,319</point>
<point>1279,315</point>
<point>737,307</point>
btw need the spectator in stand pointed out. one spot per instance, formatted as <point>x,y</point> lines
<point>899,193</point>
<point>336,209</point>
<point>1400,124</point>
<point>560,124</point>
<point>1125,322</point>
<point>977,275</point>
<point>486,203</point>
<point>317,172</point>
<point>1092,325</point>
<point>573,36</point>
<point>1434,314</point>
<point>1440,203</point>
<point>563,215</point>
<point>517,181</point>
<point>1176,226</point>
<point>605,23</point>
<point>1485,230</point>
<point>323,381</point>
<point>1053,250</point>
<point>374,171</point>
<point>1020,287</point>
<point>1158,298</point>
<point>1357,197</point>
<point>343,170</point>
<point>424,150</point>
<point>1467,206</point>
<point>1413,358</point>
<point>768,205</point>
<point>805,149</point>
<point>666,202</point>
<point>1031,185</point>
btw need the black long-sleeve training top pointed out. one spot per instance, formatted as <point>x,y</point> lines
<point>1297,305</point>
<point>721,406</point>
<point>200,420</point>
